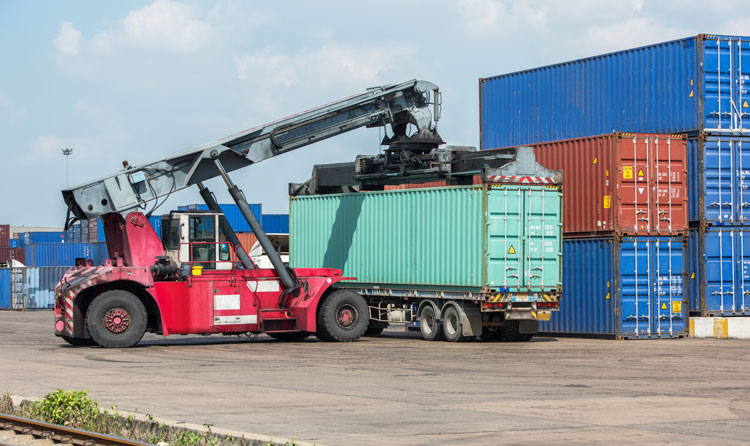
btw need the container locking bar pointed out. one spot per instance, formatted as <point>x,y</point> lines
<point>265,242</point>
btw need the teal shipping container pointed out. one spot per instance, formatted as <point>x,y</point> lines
<point>506,238</point>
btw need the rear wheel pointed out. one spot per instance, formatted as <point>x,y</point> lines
<point>452,327</point>
<point>428,324</point>
<point>511,333</point>
<point>291,336</point>
<point>116,319</point>
<point>78,341</point>
<point>344,316</point>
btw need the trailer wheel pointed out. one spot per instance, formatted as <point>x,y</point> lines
<point>452,327</point>
<point>491,334</point>
<point>78,341</point>
<point>511,333</point>
<point>428,324</point>
<point>344,316</point>
<point>291,336</point>
<point>116,319</point>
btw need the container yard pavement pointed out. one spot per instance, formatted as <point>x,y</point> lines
<point>398,389</point>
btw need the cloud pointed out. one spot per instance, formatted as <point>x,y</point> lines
<point>737,26</point>
<point>9,112</point>
<point>45,148</point>
<point>266,68</point>
<point>166,25</point>
<point>68,41</point>
<point>628,33</point>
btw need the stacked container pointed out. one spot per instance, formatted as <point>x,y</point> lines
<point>694,86</point>
<point>9,249</point>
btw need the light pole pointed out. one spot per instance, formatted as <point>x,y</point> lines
<point>66,153</point>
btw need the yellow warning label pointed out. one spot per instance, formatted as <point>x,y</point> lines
<point>744,105</point>
<point>676,307</point>
<point>608,284</point>
<point>607,297</point>
<point>663,305</point>
<point>512,250</point>
<point>595,161</point>
<point>692,276</point>
<point>691,82</point>
<point>606,173</point>
<point>640,173</point>
<point>627,173</point>
<point>607,201</point>
<point>691,94</point>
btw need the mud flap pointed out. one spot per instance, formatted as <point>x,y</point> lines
<point>528,327</point>
<point>471,321</point>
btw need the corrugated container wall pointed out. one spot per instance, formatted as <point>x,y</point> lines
<point>155,221</point>
<point>43,237</point>
<point>4,289</point>
<point>631,288</point>
<point>8,253</point>
<point>13,243</point>
<point>719,176</point>
<point>632,184</point>
<point>58,254</point>
<point>720,271</point>
<point>686,85</point>
<point>4,235</point>
<point>275,223</point>
<point>39,286</point>
<point>232,213</point>
<point>507,238</point>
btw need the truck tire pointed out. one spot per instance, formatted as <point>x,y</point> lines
<point>116,319</point>
<point>491,334</point>
<point>452,327</point>
<point>291,336</point>
<point>78,341</point>
<point>344,317</point>
<point>374,331</point>
<point>511,334</point>
<point>428,324</point>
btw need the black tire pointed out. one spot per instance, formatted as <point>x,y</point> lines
<point>343,316</point>
<point>429,325</point>
<point>374,331</point>
<point>491,334</point>
<point>511,334</point>
<point>116,319</point>
<point>452,326</point>
<point>292,336</point>
<point>78,342</point>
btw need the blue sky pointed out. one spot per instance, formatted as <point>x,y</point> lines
<point>137,80</point>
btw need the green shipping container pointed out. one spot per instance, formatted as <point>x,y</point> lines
<point>500,238</point>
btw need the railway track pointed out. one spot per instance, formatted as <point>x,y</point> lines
<point>17,431</point>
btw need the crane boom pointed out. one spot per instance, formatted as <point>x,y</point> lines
<point>130,189</point>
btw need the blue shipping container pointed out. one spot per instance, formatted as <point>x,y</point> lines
<point>4,289</point>
<point>275,223</point>
<point>720,271</point>
<point>58,254</point>
<point>719,178</point>
<point>630,288</point>
<point>13,243</point>
<point>232,213</point>
<point>43,237</point>
<point>155,221</point>
<point>687,85</point>
<point>39,286</point>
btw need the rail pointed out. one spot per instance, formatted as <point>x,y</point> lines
<point>16,430</point>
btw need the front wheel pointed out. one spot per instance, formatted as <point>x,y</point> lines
<point>78,342</point>
<point>116,319</point>
<point>344,316</point>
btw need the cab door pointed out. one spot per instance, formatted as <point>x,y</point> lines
<point>235,308</point>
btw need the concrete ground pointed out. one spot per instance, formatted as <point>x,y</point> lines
<point>398,389</point>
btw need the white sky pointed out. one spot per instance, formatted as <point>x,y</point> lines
<point>138,80</point>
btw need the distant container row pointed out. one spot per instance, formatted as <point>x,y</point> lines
<point>29,288</point>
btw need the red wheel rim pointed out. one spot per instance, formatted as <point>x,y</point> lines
<point>346,316</point>
<point>117,320</point>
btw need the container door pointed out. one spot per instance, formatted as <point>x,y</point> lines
<point>722,73</point>
<point>670,202</point>
<point>742,252</point>
<point>743,81</point>
<point>741,150</point>
<point>720,271</point>
<point>17,288</point>
<point>635,288</point>
<point>4,289</point>
<point>695,270</point>
<point>505,247</point>
<point>718,179</point>
<point>542,239</point>
<point>634,189</point>
<point>668,258</point>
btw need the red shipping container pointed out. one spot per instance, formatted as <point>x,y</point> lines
<point>7,253</point>
<point>439,183</point>
<point>4,235</point>
<point>621,183</point>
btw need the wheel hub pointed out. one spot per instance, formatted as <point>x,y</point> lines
<point>117,320</point>
<point>346,316</point>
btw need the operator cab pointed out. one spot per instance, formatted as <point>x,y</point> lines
<point>195,238</point>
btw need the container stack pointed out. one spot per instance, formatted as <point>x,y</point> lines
<point>694,87</point>
<point>9,249</point>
